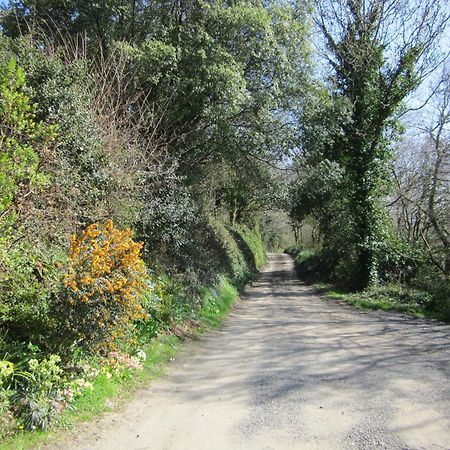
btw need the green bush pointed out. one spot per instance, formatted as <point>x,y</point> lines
<point>27,283</point>
<point>439,289</point>
<point>78,170</point>
<point>27,278</point>
<point>234,263</point>
<point>32,389</point>
<point>6,419</point>
<point>397,296</point>
<point>309,265</point>
<point>293,250</point>
<point>40,397</point>
<point>20,133</point>
<point>171,300</point>
<point>252,247</point>
<point>441,300</point>
<point>241,250</point>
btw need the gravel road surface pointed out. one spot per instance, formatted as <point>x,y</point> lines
<point>292,370</point>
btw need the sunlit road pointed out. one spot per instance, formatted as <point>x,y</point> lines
<point>292,370</point>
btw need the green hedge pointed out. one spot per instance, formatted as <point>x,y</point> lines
<point>242,251</point>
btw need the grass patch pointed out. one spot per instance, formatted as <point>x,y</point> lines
<point>385,298</point>
<point>217,303</point>
<point>108,393</point>
<point>420,299</point>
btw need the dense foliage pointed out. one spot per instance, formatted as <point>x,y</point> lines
<point>197,128</point>
<point>347,187</point>
<point>167,119</point>
<point>104,279</point>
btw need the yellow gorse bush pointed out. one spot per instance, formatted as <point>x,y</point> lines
<point>104,280</point>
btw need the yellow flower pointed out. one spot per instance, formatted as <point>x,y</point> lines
<point>106,273</point>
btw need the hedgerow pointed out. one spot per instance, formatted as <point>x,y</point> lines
<point>94,136</point>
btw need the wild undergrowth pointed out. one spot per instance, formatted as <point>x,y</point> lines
<point>115,325</point>
<point>415,298</point>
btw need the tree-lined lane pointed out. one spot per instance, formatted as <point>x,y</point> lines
<point>289,370</point>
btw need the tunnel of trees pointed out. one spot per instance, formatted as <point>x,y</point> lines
<point>152,152</point>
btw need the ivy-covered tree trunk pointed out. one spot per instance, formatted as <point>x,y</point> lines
<point>365,174</point>
<point>372,88</point>
<point>366,225</point>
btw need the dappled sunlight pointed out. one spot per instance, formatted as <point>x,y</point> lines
<point>292,367</point>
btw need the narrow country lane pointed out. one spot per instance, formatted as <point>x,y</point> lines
<point>292,370</point>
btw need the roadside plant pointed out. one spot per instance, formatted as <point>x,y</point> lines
<point>27,281</point>
<point>118,360</point>
<point>12,378</point>
<point>21,136</point>
<point>104,281</point>
<point>6,418</point>
<point>40,395</point>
